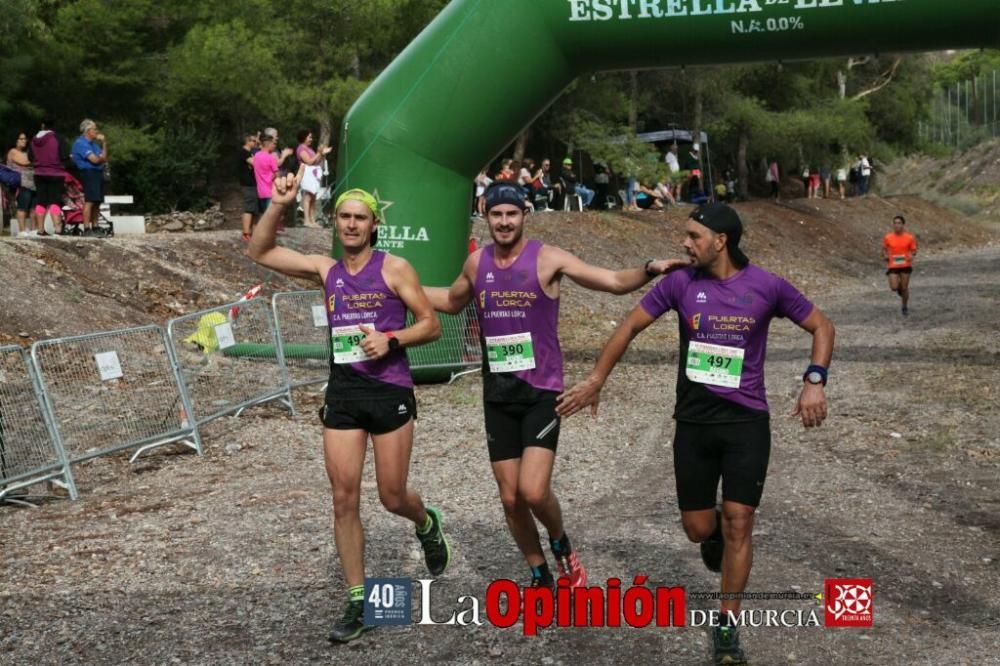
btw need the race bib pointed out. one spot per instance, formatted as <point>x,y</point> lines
<point>899,259</point>
<point>347,345</point>
<point>510,353</point>
<point>714,364</point>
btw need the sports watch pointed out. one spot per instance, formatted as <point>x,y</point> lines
<point>649,272</point>
<point>815,374</point>
<point>394,343</point>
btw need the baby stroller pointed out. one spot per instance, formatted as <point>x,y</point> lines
<point>73,201</point>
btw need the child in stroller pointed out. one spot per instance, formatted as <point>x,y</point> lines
<point>73,211</point>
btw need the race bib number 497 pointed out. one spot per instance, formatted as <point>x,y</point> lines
<point>714,364</point>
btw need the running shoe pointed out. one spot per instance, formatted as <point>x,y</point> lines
<point>569,566</point>
<point>726,645</point>
<point>713,547</point>
<point>906,311</point>
<point>437,551</point>
<point>351,625</point>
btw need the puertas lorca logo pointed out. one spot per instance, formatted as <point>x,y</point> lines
<point>695,321</point>
<point>331,303</point>
<point>482,300</point>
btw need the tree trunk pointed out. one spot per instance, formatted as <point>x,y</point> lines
<point>325,130</point>
<point>521,145</point>
<point>633,101</point>
<point>842,83</point>
<point>696,131</point>
<point>742,169</point>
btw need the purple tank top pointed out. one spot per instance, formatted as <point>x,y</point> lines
<point>519,321</point>
<point>365,299</point>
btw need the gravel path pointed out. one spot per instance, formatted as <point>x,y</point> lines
<point>229,559</point>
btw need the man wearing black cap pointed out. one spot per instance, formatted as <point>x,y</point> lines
<point>515,284</point>
<point>724,307</point>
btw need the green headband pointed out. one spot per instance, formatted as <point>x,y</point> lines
<point>358,195</point>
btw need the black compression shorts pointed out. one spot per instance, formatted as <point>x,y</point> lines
<point>897,271</point>
<point>510,427</point>
<point>736,452</point>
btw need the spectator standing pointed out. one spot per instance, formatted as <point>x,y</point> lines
<point>90,155</point>
<point>842,180</point>
<point>814,182</point>
<point>671,160</point>
<point>265,168</point>
<point>248,184</point>
<point>49,156</point>
<point>864,168</point>
<point>482,182</point>
<point>312,177</point>
<point>824,176</point>
<point>773,178</point>
<point>19,160</point>
<point>602,185</point>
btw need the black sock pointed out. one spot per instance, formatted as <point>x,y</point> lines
<point>560,546</point>
<point>542,573</point>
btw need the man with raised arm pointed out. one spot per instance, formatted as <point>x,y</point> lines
<point>370,392</point>
<point>515,285</point>
<point>724,308</point>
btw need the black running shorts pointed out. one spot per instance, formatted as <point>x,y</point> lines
<point>512,426</point>
<point>736,452</point>
<point>376,417</point>
<point>898,271</point>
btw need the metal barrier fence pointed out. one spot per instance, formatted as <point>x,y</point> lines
<point>457,352</point>
<point>229,358</point>
<point>112,391</point>
<point>28,451</point>
<point>303,335</point>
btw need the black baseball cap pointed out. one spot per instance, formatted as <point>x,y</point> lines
<point>723,219</point>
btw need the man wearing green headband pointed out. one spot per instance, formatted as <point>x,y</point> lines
<point>370,392</point>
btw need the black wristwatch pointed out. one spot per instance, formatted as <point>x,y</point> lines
<point>394,343</point>
<point>649,272</point>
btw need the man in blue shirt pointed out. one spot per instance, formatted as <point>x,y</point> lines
<point>90,154</point>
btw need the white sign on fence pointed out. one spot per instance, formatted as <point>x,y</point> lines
<point>319,316</point>
<point>108,365</point>
<point>224,334</point>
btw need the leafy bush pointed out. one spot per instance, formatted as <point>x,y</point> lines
<point>165,169</point>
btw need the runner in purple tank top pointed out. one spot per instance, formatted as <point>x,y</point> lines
<point>724,308</point>
<point>370,392</point>
<point>515,285</point>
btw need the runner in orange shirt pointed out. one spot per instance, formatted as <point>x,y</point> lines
<point>898,249</point>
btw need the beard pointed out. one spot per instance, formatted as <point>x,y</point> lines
<point>507,244</point>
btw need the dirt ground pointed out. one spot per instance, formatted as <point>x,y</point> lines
<point>229,558</point>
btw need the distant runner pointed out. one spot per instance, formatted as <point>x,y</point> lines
<point>515,284</point>
<point>724,308</point>
<point>370,392</point>
<point>899,247</point>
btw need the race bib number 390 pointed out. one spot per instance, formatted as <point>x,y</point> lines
<point>510,353</point>
<point>347,345</point>
<point>714,364</point>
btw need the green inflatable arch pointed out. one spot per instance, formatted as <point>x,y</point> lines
<point>484,69</point>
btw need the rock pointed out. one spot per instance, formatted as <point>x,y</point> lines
<point>176,225</point>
